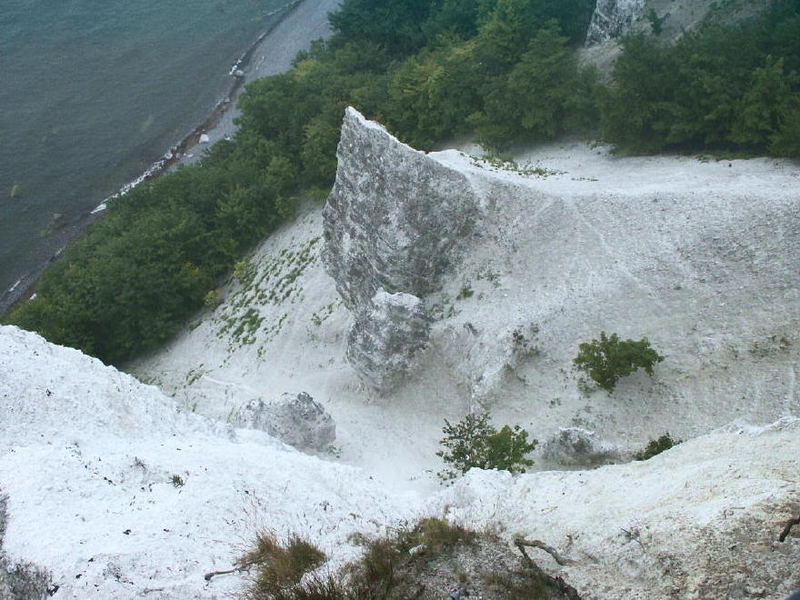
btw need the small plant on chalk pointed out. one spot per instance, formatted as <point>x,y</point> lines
<point>474,442</point>
<point>656,22</point>
<point>466,292</point>
<point>523,345</point>
<point>244,270</point>
<point>212,299</point>
<point>665,442</point>
<point>435,534</point>
<point>608,359</point>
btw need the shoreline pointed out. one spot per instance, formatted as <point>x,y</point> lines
<point>302,22</point>
<point>180,151</point>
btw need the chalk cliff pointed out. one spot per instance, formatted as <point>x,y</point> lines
<point>110,492</point>
<point>667,19</point>
<point>137,493</point>
<point>614,18</point>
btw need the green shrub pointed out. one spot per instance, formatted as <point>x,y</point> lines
<point>665,442</point>
<point>656,22</point>
<point>608,359</point>
<point>473,442</point>
<point>466,292</point>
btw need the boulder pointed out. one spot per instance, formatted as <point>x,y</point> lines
<point>295,419</point>
<point>576,447</point>
<point>386,337</point>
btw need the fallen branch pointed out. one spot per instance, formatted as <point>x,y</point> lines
<point>565,591</point>
<point>634,535</point>
<point>785,533</point>
<point>521,543</point>
<point>212,574</point>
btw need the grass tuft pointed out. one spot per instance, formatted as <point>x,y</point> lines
<point>424,561</point>
<point>279,567</point>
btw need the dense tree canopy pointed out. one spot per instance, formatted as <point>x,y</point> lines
<point>733,88</point>
<point>504,70</point>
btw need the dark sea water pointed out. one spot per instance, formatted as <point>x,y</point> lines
<point>91,93</point>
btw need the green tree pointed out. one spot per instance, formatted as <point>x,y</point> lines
<point>781,30</point>
<point>474,442</point>
<point>432,93</point>
<point>533,101</point>
<point>608,359</point>
<point>635,111</point>
<point>393,24</point>
<point>319,145</point>
<point>503,37</point>
<point>723,87</point>
<point>117,294</point>
<point>786,141</point>
<point>456,17</point>
<point>767,105</point>
<point>572,16</point>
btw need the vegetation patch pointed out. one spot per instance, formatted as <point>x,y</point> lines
<point>474,442</point>
<point>653,447</point>
<point>497,163</point>
<point>278,566</point>
<point>274,283</point>
<point>771,346</point>
<point>488,273</point>
<point>321,315</point>
<point>721,89</point>
<point>608,359</point>
<point>195,374</point>
<point>523,345</point>
<point>430,560</point>
<point>445,308</point>
<point>465,292</point>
